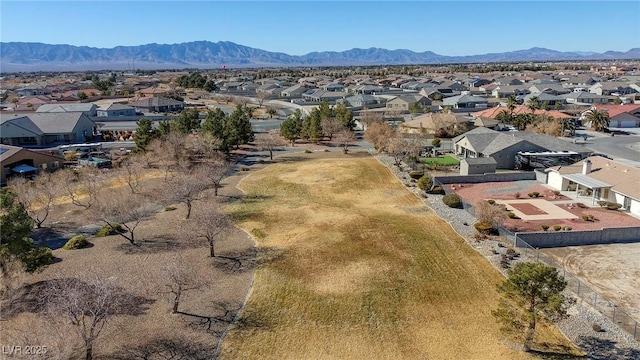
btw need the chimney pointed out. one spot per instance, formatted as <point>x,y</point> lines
<point>586,167</point>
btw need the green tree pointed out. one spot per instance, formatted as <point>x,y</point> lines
<point>325,110</point>
<point>599,119</point>
<point>144,134</point>
<point>238,127</point>
<point>415,108</point>
<point>187,121</point>
<point>312,126</point>
<point>568,125</point>
<point>532,292</point>
<point>82,95</point>
<point>533,104</point>
<point>344,116</point>
<point>210,86</point>
<point>164,127</point>
<point>216,124</point>
<point>271,112</point>
<point>15,226</point>
<point>512,102</point>
<point>436,144</point>
<point>505,116</point>
<point>291,127</point>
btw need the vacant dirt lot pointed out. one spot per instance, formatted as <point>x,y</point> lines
<point>351,265</point>
<point>611,270</point>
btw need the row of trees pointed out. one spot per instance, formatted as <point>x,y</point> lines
<point>221,131</point>
<point>323,121</point>
<point>196,80</point>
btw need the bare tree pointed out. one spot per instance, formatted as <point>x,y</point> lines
<point>88,301</point>
<point>179,277</point>
<point>188,186</point>
<point>125,210</point>
<point>490,214</point>
<point>38,195</point>
<point>268,142</point>
<point>204,146</point>
<point>331,126</point>
<point>208,224</point>
<point>380,135</point>
<point>370,117</point>
<point>345,138</point>
<point>400,147</point>
<point>170,153</point>
<point>215,172</point>
<point>131,171</point>
<point>262,96</point>
<point>12,277</point>
<point>83,186</point>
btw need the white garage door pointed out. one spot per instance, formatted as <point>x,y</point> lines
<point>628,123</point>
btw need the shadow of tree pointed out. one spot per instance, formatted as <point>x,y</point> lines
<point>222,315</point>
<point>602,349</point>
<point>159,244</point>
<point>235,262</point>
<point>179,348</point>
<point>29,298</point>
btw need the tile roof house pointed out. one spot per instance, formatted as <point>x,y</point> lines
<point>493,112</point>
<point>620,116</point>
<point>600,179</point>
<point>46,129</point>
<point>503,147</point>
<point>431,122</point>
<point>158,104</point>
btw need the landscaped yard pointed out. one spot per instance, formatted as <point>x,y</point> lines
<point>441,161</point>
<point>351,265</point>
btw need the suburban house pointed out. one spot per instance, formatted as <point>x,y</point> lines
<point>466,102</point>
<point>620,116</point>
<point>543,98</point>
<point>116,109</point>
<point>88,109</point>
<point>493,112</point>
<point>403,102</point>
<point>615,88</point>
<point>552,89</point>
<point>46,129</point>
<point>294,91</point>
<point>31,103</point>
<point>503,147</point>
<point>367,89</point>
<point>600,179</point>
<point>361,100</point>
<point>504,91</point>
<point>584,98</point>
<point>17,161</point>
<point>429,123</point>
<point>320,95</point>
<point>158,104</point>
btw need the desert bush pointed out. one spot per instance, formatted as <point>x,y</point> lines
<point>568,228</point>
<point>491,202</point>
<point>484,228</point>
<point>245,168</point>
<point>416,174</point>
<point>504,261</point>
<point>511,215</point>
<point>308,151</point>
<point>326,150</point>
<point>491,214</point>
<point>533,194</point>
<point>108,230</point>
<point>582,206</point>
<point>613,206</point>
<point>545,227</point>
<point>259,233</point>
<point>512,254</point>
<point>517,195</point>
<point>596,328</point>
<point>436,190</point>
<point>425,182</point>
<point>452,201</point>
<point>587,217</point>
<point>76,242</point>
<point>556,192</point>
<point>557,227</point>
<point>602,203</point>
<point>169,208</point>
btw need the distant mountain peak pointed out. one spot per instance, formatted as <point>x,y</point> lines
<point>31,56</point>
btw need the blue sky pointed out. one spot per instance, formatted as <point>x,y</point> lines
<point>298,27</point>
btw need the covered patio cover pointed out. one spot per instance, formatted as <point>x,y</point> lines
<point>587,182</point>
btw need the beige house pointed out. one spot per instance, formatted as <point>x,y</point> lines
<point>599,178</point>
<point>429,123</point>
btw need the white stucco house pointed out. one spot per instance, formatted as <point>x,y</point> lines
<point>600,179</point>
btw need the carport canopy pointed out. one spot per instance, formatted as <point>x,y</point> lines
<point>587,181</point>
<point>21,169</point>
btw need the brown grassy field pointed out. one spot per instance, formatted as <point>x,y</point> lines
<point>351,265</point>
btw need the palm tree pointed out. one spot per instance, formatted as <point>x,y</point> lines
<point>533,103</point>
<point>599,119</point>
<point>511,103</point>
<point>522,120</point>
<point>568,125</point>
<point>505,116</point>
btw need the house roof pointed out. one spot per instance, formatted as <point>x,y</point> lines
<point>116,106</point>
<point>408,98</point>
<point>21,121</point>
<point>615,110</point>
<point>7,151</point>
<point>623,178</point>
<point>587,181</point>
<point>47,123</point>
<point>156,101</point>
<point>494,111</point>
<point>485,121</point>
<point>433,121</point>
<point>464,98</point>
<point>73,107</point>
<point>480,161</point>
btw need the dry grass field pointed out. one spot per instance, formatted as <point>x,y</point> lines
<point>351,265</point>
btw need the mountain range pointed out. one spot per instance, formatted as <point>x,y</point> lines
<point>29,56</point>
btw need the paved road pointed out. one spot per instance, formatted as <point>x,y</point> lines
<point>625,148</point>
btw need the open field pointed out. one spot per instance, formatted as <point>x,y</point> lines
<point>351,265</point>
<point>612,270</point>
